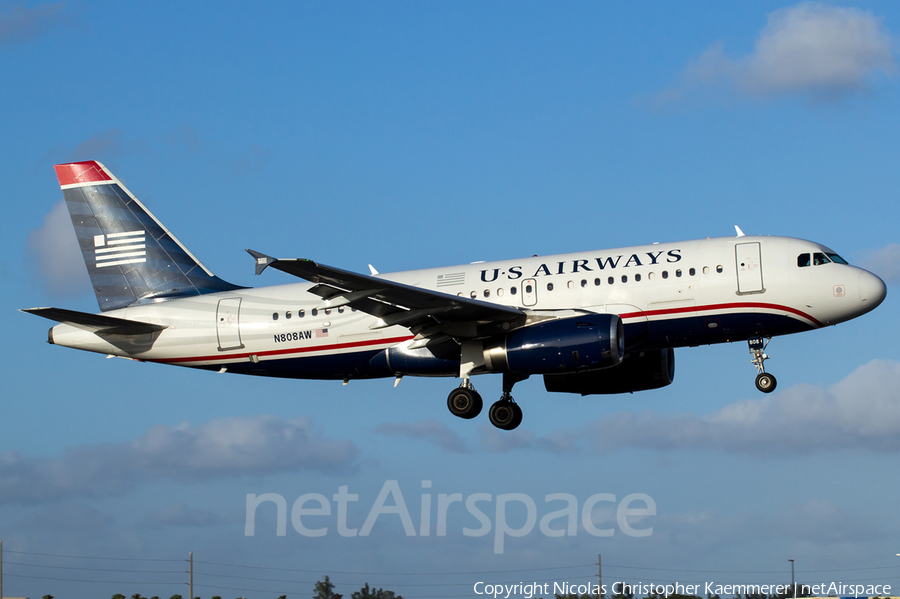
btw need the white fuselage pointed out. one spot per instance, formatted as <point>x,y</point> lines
<point>668,295</point>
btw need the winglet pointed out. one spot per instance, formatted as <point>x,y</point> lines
<point>262,261</point>
<point>372,270</point>
<point>739,232</point>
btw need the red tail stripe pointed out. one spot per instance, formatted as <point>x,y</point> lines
<point>80,172</point>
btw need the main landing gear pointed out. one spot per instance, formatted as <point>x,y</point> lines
<point>505,414</point>
<point>765,382</point>
<point>465,401</point>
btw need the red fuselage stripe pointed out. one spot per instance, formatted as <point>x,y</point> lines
<point>729,306</point>
<point>394,340</point>
<point>290,350</point>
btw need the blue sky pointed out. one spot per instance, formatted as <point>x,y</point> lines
<point>411,135</point>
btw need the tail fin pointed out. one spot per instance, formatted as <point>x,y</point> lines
<point>131,257</point>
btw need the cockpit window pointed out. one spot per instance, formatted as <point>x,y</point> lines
<point>836,258</point>
<point>803,260</point>
<point>820,258</point>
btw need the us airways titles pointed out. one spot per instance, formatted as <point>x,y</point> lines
<point>586,265</point>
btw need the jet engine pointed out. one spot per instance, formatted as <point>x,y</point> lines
<point>637,372</point>
<point>586,342</point>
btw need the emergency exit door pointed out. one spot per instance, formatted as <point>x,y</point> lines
<point>228,323</point>
<point>749,268</point>
<point>529,292</point>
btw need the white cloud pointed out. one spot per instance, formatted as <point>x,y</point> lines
<point>884,262</point>
<point>19,23</point>
<point>860,412</point>
<point>236,446</point>
<point>67,516</point>
<point>229,447</point>
<point>494,440</point>
<point>181,515</point>
<point>55,251</point>
<point>430,430</point>
<point>813,50</point>
<point>103,142</point>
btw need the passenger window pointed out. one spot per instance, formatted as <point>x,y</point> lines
<point>301,313</point>
<point>513,290</point>
<point>327,311</point>
<point>473,295</point>
<point>314,312</point>
<point>611,280</point>
<point>651,276</point>
<point>287,315</point>
<point>487,293</point>
<point>678,273</point>
<point>571,284</point>
<point>803,260</point>
<point>341,310</point>
<point>549,286</point>
<point>624,278</point>
<point>706,270</point>
<point>528,289</point>
<point>637,278</point>
<point>665,274</point>
<point>692,272</point>
<point>500,292</point>
<point>820,258</point>
<point>596,282</point>
<point>719,269</point>
<point>274,315</point>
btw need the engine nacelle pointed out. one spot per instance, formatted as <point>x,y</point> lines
<point>585,342</point>
<point>638,372</point>
<point>418,362</point>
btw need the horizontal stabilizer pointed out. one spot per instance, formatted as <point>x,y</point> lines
<point>97,323</point>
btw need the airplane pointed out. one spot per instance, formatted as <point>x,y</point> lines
<point>594,322</point>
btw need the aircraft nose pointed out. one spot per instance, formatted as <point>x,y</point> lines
<point>872,290</point>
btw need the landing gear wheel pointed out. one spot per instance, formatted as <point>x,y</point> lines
<point>465,403</point>
<point>505,415</point>
<point>765,382</point>
<point>518,419</point>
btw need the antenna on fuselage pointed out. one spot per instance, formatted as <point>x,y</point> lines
<point>739,232</point>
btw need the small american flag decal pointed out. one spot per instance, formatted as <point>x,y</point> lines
<point>446,280</point>
<point>321,333</point>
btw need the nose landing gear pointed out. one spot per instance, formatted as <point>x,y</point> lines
<point>765,382</point>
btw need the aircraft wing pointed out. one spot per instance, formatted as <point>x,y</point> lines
<point>429,314</point>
